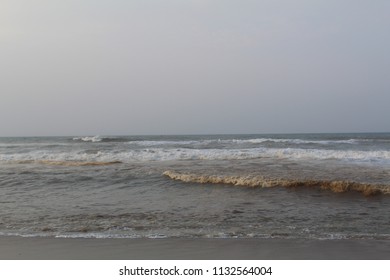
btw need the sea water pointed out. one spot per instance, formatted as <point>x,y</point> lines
<point>314,186</point>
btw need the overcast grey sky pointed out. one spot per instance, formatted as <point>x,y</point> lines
<point>100,67</point>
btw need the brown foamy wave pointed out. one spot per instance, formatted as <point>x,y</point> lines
<point>69,163</point>
<point>262,182</point>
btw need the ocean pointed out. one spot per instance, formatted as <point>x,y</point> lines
<point>311,186</point>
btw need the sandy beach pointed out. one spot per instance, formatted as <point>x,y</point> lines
<point>14,248</point>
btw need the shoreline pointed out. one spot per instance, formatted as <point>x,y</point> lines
<point>50,248</point>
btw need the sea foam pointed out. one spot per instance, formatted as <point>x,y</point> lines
<point>169,154</point>
<point>88,139</point>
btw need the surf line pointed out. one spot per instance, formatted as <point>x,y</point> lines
<point>68,163</point>
<point>262,182</point>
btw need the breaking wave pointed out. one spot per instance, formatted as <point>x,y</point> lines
<point>68,163</point>
<point>203,142</point>
<point>88,139</point>
<point>149,143</point>
<point>294,141</point>
<point>168,154</point>
<point>262,182</point>
<point>241,142</point>
<point>97,138</point>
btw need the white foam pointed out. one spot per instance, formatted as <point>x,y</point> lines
<point>168,154</point>
<point>240,142</point>
<point>148,143</point>
<point>88,138</point>
<point>379,156</point>
<point>98,235</point>
<point>225,154</point>
<point>293,141</point>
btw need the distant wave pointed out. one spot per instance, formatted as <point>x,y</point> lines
<point>149,143</point>
<point>294,141</point>
<point>162,154</point>
<point>205,142</point>
<point>97,138</point>
<point>240,141</point>
<point>88,139</point>
<point>259,181</point>
<point>167,154</point>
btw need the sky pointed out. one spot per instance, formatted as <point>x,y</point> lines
<point>135,67</point>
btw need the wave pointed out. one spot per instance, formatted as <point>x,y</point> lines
<point>215,235</point>
<point>293,141</point>
<point>68,163</point>
<point>262,182</point>
<point>165,154</point>
<point>88,139</point>
<point>318,154</point>
<point>98,138</point>
<point>168,154</point>
<point>287,153</point>
<point>205,142</point>
<point>148,143</point>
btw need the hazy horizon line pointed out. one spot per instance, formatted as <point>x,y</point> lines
<point>191,134</point>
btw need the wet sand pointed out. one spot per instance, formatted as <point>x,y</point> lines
<point>36,248</point>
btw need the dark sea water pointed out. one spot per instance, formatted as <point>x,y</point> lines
<point>314,186</point>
